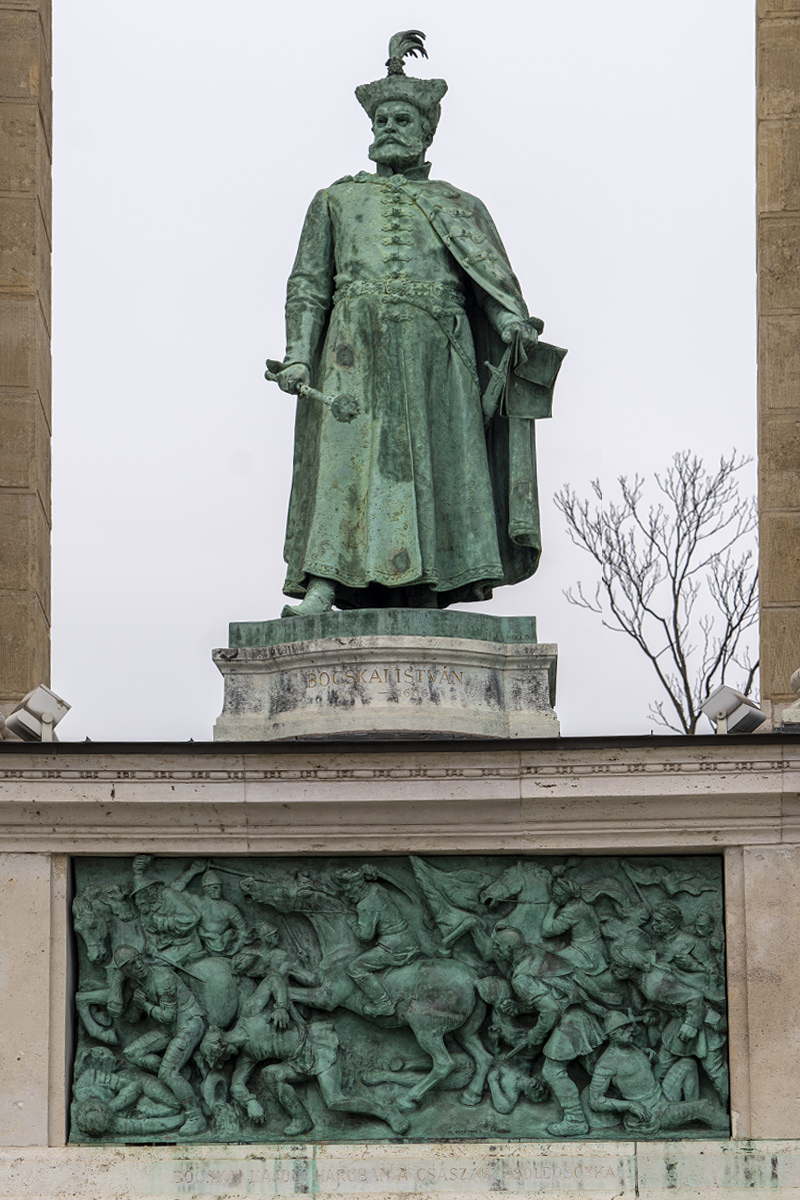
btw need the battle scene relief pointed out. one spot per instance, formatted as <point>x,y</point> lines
<point>439,997</point>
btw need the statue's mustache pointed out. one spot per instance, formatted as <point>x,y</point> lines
<point>398,138</point>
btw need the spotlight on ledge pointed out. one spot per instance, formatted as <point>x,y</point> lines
<point>36,716</point>
<point>731,712</point>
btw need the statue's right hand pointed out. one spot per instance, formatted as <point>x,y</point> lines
<point>293,378</point>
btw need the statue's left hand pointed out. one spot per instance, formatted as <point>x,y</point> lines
<point>526,331</point>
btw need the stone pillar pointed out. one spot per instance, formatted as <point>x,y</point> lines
<point>778,83</point>
<point>770,1052</point>
<point>25,236</point>
<point>27,981</point>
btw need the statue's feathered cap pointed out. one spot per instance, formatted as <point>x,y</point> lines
<point>424,94</point>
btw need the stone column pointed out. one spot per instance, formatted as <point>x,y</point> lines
<point>778,82</point>
<point>33,987</point>
<point>25,235</point>
<point>769,1053</point>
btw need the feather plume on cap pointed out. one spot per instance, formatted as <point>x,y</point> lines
<point>424,94</point>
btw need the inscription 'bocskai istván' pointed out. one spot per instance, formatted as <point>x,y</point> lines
<point>358,677</point>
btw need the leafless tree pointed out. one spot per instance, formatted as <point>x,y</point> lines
<point>677,576</point>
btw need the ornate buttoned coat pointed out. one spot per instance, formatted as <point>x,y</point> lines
<point>393,298</point>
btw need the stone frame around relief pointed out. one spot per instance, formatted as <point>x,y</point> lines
<point>457,909</point>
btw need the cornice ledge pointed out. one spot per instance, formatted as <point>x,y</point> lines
<point>330,774</point>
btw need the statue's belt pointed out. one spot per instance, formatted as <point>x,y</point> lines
<point>446,295</point>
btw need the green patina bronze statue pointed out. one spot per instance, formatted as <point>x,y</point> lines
<point>419,375</point>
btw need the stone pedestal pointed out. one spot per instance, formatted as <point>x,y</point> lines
<point>387,673</point>
<point>591,1170</point>
<point>648,796</point>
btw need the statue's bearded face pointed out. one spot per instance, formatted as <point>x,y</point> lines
<point>400,139</point>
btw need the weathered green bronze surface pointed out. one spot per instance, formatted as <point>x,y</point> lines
<point>402,300</point>
<point>385,622</point>
<point>255,1000</point>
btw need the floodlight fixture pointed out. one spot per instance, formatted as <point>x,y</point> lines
<point>36,716</point>
<point>731,712</point>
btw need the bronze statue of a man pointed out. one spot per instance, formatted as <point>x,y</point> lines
<point>403,299</point>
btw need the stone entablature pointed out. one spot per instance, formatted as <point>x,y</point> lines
<point>394,797</point>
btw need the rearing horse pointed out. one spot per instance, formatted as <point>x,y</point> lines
<point>529,885</point>
<point>103,917</point>
<point>433,997</point>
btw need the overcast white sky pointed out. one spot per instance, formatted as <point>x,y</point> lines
<point>613,144</point>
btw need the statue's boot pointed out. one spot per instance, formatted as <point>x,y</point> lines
<point>708,1111</point>
<point>195,1121</point>
<point>572,1124</point>
<point>301,1121</point>
<point>380,1003</point>
<point>298,1125</point>
<point>398,1122</point>
<point>379,1008</point>
<point>107,1036</point>
<point>318,599</point>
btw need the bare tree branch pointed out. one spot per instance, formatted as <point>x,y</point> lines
<point>677,576</point>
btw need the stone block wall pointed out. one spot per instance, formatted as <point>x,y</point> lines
<point>25,419</point>
<point>778,111</point>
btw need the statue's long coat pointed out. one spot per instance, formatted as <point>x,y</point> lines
<point>389,300</point>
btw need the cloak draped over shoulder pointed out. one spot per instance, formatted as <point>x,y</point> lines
<point>391,299</point>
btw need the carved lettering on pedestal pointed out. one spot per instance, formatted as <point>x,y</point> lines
<point>365,676</point>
